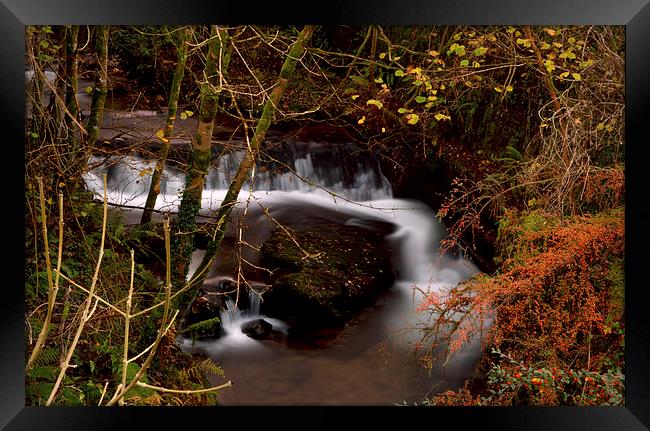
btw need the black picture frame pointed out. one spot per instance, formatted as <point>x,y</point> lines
<point>634,14</point>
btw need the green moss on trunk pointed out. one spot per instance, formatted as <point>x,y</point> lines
<point>295,53</point>
<point>183,244</point>
<point>101,84</point>
<point>154,189</point>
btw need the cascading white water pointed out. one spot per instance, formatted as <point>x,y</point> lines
<point>417,235</point>
<point>357,193</point>
<point>232,318</point>
<point>129,178</point>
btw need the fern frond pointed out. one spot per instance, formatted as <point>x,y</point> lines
<point>48,356</point>
<point>211,367</point>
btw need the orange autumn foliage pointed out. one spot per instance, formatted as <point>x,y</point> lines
<point>553,303</point>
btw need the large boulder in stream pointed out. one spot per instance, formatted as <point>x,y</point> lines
<point>325,273</point>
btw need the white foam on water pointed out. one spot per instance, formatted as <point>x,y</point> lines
<point>365,198</point>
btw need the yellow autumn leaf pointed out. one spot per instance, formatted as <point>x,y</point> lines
<point>383,130</point>
<point>550,31</point>
<point>413,118</point>
<point>498,89</point>
<point>576,76</point>
<point>509,88</point>
<point>355,96</point>
<point>186,114</point>
<point>382,55</point>
<point>550,65</point>
<point>362,120</point>
<point>160,134</point>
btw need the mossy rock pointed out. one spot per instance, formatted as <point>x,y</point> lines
<point>201,319</point>
<point>337,270</point>
<point>210,328</point>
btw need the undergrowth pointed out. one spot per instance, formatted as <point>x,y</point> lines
<point>554,313</point>
<point>96,365</point>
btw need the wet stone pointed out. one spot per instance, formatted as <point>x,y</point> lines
<point>260,329</point>
<point>336,272</point>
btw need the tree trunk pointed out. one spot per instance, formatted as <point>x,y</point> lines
<point>35,90</point>
<point>101,85</point>
<point>154,189</point>
<point>296,51</point>
<point>183,243</point>
<point>70,134</point>
<point>72,73</point>
<point>373,55</point>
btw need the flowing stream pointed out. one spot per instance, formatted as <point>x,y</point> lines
<point>306,183</point>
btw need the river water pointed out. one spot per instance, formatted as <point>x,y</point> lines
<point>298,184</point>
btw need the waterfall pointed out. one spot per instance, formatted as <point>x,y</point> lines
<point>342,185</point>
<point>313,171</point>
<point>233,318</point>
<point>332,171</point>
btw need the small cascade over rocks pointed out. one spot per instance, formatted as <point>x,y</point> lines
<point>301,186</point>
<point>238,313</point>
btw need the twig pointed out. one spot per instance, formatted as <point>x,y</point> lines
<point>98,298</point>
<point>186,391</point>
<point>151,346</point>
<point>161,331</point>
<point>85,315</point>
<point>53,288</point>
<point>127,318</point>
<point>103,393</point>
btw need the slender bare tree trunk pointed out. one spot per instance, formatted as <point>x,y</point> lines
<point>101,85</point>
<point>185,225</point>
<point>295,53</point>
<point>70,136</point>
<point>71,77</point>
<point>35,88</point>
<point>154,189</point>
<point>373,55</point>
